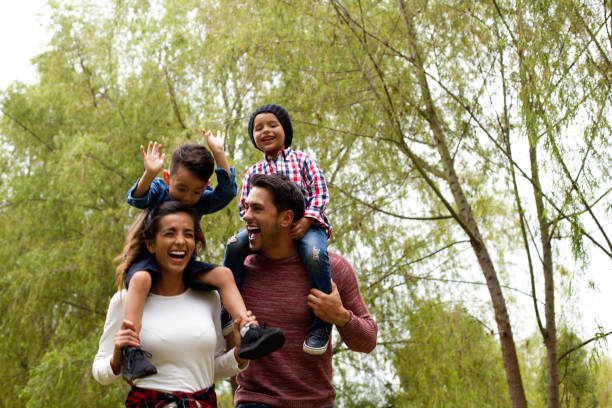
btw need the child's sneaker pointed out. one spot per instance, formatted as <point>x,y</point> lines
<point>135,363</point>
<point>258,342</point>
<point>318,338</point>
<point>227,323</point>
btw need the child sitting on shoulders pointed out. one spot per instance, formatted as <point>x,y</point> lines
<point>188,180</point>
<point>271,132</point>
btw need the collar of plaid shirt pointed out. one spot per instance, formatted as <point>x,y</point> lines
<point>141,397</point>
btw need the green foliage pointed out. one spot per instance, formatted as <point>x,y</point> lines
<point>578,374</point>
<point>604,384</point>
<point>449,360</point>
<point>120,74</point>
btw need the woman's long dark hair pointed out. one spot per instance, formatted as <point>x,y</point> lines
<point>145,228</point>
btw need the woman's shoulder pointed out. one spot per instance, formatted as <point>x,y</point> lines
<point>118,298</point>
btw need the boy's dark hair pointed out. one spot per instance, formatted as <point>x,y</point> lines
<point>195,158</point>
<point>285,193</point>
<point>150,225</point>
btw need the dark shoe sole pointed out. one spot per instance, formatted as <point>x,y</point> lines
<point>269,343</point>
<point>314,351</point>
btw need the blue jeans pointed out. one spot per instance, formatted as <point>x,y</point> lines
<point>312,249</point>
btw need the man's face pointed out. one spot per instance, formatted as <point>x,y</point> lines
<point>262,220</point>
<point>185,186</point>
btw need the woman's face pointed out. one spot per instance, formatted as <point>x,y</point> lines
<point>174,242</point>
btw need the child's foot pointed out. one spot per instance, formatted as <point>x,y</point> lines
<point>135,363</point>
<point>227,323</point>
<point>258,342</point>
<point>318,338</point>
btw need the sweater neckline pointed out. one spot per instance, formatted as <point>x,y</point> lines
<point>276,261</point>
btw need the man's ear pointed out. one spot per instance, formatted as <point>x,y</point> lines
<point>150,246</point>
<point>286,219</point>
<point>166,176</point>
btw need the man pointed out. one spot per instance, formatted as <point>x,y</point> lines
<point>277,288</point>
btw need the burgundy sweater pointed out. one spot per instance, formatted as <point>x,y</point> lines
<point>276,291</point>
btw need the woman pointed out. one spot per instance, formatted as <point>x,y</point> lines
<point>180,326</point>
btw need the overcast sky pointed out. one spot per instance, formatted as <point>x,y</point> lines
<point>22,37</point>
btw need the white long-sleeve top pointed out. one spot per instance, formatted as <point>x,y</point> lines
<point>183,334</point>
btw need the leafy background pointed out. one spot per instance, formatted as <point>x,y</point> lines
<point>428,119</point>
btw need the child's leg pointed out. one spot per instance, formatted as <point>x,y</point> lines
<point>313,252</point>
<point>138,281</point>
<point>236,251</point>
<point>223,279</point>
<point>138,290</point>
<point>256,341</point>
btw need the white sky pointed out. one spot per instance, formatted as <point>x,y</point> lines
<point>24,36</point>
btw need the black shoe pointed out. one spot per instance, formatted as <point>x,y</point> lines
<point>258,342</point>
<point>227,323</point>
<point>135,363</point>
<point>318,338</point>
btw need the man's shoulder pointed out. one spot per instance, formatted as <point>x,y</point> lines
<point>336,256</point>
<point>339,265</point>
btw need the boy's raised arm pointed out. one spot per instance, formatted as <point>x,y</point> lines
<point>215,144</point>
<point>153,161</point>
<point>225,190</point>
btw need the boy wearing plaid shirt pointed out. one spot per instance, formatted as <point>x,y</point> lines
<point>271,132</point>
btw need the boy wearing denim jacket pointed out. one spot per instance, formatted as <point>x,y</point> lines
<point>188,180</point>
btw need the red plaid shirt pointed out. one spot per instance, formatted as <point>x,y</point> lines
<point>141,397</point>
<point>304,171</point>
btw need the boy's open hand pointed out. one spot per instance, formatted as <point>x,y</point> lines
<point>152,159</point>
<point>215,143</point>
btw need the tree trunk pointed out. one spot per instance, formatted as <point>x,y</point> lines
<point>510,359</point>
<point>549,334</point>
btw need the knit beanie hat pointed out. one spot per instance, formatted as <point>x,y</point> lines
<point>283,117</point>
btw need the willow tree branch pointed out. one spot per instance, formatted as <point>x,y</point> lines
<point>584,343</point>
<point>28,130</point>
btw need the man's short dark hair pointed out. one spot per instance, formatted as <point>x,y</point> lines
<point>195,158</point>
<point>285,193</point>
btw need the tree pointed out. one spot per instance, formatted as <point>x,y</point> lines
<point>578,374</point>
<point>70,142</point>
<point>449,360</point>
<point>604,384</point>
<point>449,100</point>
<point>428,119</point>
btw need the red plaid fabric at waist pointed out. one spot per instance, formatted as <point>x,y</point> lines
<point>143,398</point>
